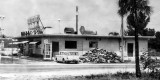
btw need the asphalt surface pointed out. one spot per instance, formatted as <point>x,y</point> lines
<point>31,69</point>
<point>44,70</point>
<point>16,68</point>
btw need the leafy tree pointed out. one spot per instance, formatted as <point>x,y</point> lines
<point>143,32</point>
<point>158,35</point>
<point>155,43</point>
<point>148,32</point>
<point>130,31</point>
<point>138,17</point>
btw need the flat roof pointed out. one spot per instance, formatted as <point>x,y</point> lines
<point>78,36</point>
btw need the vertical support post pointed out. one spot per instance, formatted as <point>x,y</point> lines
<point>1,18</point>
<point>76,19</point>
<point>59,25</point>
<point>12,50</point>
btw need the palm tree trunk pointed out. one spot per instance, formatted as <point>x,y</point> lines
<point>138,72</point>
<point>122,38</point>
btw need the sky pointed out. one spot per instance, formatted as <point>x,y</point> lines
<point>96,15</point>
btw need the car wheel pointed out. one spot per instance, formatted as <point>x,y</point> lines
<point>63,60</point>
<point>76,62</point>
<point>56,60</point>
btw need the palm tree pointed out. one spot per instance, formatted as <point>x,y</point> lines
<point>122,12</point>
<point>138,18</point>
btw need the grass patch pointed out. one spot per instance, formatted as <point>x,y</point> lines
<point>117,76</point>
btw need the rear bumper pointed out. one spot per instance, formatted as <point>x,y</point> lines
<point>71,60</point>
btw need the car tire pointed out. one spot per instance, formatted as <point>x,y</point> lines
<point>56,60</point>
<point>63,60</point>
<point>76,62</point>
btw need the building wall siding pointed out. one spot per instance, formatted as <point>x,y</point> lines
<point>107,44</point>
<point>143,45</point>
<point>62,43</point>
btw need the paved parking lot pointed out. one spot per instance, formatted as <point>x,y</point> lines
<point>35,68</point>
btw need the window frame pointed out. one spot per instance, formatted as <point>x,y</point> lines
<point>91,44</point>
<point>68,45</point>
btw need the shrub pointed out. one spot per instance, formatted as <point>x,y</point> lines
<point>100,56</point>
<point>152,64</point>
<point>124,75</point>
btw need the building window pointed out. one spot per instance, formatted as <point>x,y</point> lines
<point>71,44</point>
<point>93,44</point>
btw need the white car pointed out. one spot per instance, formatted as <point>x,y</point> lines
<point>67,57</point>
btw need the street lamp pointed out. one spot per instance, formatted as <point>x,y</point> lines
<point>59,20</point>
<point>1,18</point>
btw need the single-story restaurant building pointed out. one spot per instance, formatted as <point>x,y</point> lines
<point>49,45</point>
<point>36,42</point>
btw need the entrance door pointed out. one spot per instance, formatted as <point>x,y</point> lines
<point>55,48</point>
<point>130,49</point>
<point>48,51</point>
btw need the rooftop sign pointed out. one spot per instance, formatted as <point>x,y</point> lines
<point>33,26</point>
<point>33,22</point>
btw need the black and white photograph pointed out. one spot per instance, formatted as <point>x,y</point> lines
<point>79,39</point>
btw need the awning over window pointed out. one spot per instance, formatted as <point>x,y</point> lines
<point>25,41</point>
<point>19,42</point>
<point>15,43</point>
<point>33,42</point>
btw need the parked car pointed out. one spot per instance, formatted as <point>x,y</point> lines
<point>67,57</point>
<point>9,51</point>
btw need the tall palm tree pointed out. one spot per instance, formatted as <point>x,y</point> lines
<point>122,12</point>
<point>138,18</point>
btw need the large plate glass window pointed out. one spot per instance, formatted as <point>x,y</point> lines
<point>70,44</point>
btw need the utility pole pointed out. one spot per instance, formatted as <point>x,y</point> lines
<point>59,20</point>
<point>1,18</point>
<point>76,19</point>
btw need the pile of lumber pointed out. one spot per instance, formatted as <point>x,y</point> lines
<point>100,56</point>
